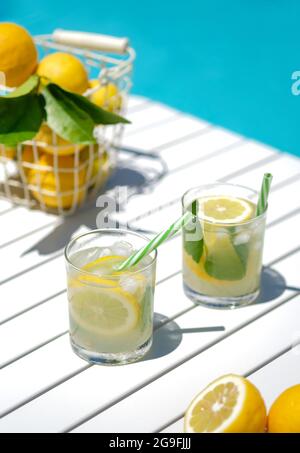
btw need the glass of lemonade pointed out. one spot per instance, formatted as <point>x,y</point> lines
<point>223,246</point>
<point>110,311</point>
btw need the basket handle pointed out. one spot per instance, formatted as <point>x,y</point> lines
<point>93,41</point>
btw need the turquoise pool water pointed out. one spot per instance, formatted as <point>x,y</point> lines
<point>229,62</point>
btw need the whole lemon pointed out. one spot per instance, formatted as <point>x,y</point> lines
<point>60,186</point>
<point>29,158</point>
<point>8,152</point>
<point>284,415</point>
<point>65,70</point>
<point>98,165</point>
<point>18,54</point>
<point>107,97</point>
<point>51,143</point>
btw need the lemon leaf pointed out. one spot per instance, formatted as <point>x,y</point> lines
<point>21,113</point>
<point>30,86</point>
<point>98,115</point>
<point>66,118</point>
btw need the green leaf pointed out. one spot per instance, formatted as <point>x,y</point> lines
<point>21,113</point>
<point>229,264</point>
<point>66,118</point>
<point>30,86</point>
<point>98,115</point>
<point>194,247</point>
<point>146,305</point>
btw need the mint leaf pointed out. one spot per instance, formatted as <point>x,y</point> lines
<point>66,118</point>
<point>98,115</point>
<point>146,307</point>
<point>192,236</point>
<point>224,266</point>
<point>21,113</point>
<point>229,264</point>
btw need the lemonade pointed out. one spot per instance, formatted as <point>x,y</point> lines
<point>222,249</point>
<point>110,311</point>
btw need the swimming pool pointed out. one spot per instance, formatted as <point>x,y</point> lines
<point>229,62</point>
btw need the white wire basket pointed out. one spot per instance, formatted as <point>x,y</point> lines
<point>51,174</point>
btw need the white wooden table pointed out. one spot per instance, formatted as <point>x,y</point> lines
<point>45,387</point>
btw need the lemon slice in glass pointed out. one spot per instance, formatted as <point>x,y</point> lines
<point>104,268</point>
<point>104,311</point>
<point>225,209</point>
<point>104,264</point>
<point>230,404</point>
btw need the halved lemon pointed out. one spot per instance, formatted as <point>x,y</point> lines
<point>225,209</point>
<point>104,311</point>
<point>230,404</point>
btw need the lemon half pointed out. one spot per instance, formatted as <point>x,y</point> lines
<point>230,404</point>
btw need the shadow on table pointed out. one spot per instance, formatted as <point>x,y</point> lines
<point>169,336</point>
<point>272,285</point>
<point>130,174</point>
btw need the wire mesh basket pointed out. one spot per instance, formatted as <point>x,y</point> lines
<point>50,173</point>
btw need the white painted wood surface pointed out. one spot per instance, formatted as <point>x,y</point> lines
<point>39,374</point>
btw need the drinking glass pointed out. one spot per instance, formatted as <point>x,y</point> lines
<point>110,311</point>
<point>222,260</point>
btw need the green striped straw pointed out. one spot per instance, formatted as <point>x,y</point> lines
<point>156,241</point>
<point>264,193</point>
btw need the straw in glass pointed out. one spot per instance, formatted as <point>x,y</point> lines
<point>262,203</point>
<point>156,241</point>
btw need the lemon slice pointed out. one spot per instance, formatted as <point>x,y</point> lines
<point>104,311</point>
<point>100,267</point>
<point>222,209</point>
<point>230,404</point>
<point>104,264</point>
<point>131,283</point>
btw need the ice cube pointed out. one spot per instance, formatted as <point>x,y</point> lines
<point>94,253</point>
<point>130,285</point>
<point>122,248</point>
<point>105,252</point>
<point>258,245</point>
<point>222,233</point>
<point>241,238</point>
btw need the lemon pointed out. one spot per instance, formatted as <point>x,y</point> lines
<point>57,187</point>
<point>107,97</point>
<point>51,143</point>
<point>7,152</point>
<point>28,158</point>
<point>104,311</point>
<point>220,209</point>
<point>65,70</point>
<point>284,415</point>
<point>18,54</point>
<point>230,404</point>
